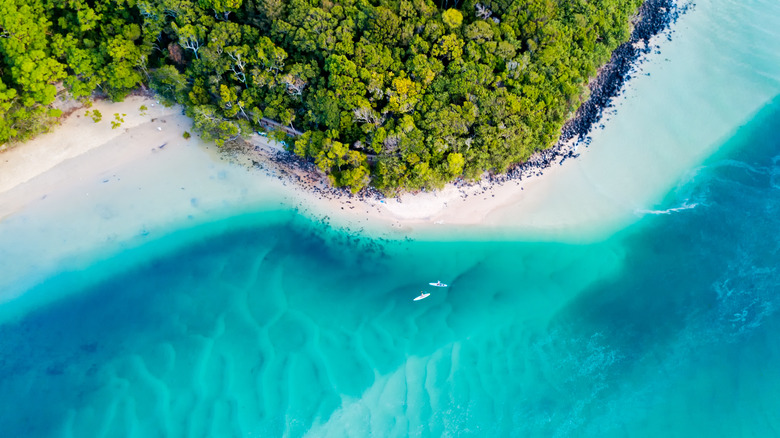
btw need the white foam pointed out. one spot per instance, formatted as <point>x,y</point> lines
<point>683,207</point>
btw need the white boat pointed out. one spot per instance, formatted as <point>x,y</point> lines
<point>422,297</point>
<point>438,284</point>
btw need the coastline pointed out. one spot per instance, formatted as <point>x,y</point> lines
<point>125,190</point>
<point>473,203</point>
<point>159,285</point>
<point>653,18</point>
<point>28,172</point>
<point>73,138</point>
<point>108,190</point>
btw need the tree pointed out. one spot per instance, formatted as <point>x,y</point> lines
<point>452,18</point>
<point>190,37</point>
<point>455,163</point>
<point>271,9</point>
<point>479,31</point>
<point>448,47</point>
<point>212,126</point>
<point>169,83</point>
<point>403,95</point>
<point>8,99</point>
<point>222,8</point>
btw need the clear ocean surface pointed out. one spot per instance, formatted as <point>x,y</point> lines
<point>278,325</point>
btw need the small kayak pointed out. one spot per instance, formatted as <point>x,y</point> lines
<point>438,284</point>
<point>422,297</point>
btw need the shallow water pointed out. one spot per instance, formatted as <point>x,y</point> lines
<point>296,329</point>
<point>271,324</point>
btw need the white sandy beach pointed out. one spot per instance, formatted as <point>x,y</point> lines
<point>87,188</point>
<point>85,166</point>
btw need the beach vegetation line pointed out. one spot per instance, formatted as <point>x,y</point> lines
<point>396,94</point>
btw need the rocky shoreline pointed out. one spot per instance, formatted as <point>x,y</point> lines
<point>653,18</point>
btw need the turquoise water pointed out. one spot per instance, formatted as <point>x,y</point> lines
<point>271,324</point>
<point>295,329</point>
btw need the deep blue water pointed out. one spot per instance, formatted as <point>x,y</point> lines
<point>291,328</point>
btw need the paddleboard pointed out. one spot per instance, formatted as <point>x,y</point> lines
<point>423,296</point>
<point>438,284</point>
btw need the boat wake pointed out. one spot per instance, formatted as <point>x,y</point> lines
<point>684,206</point>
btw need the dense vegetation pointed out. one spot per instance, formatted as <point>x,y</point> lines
<point>396,93</point>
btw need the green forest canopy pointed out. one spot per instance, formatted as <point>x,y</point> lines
<point>400,94</point>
